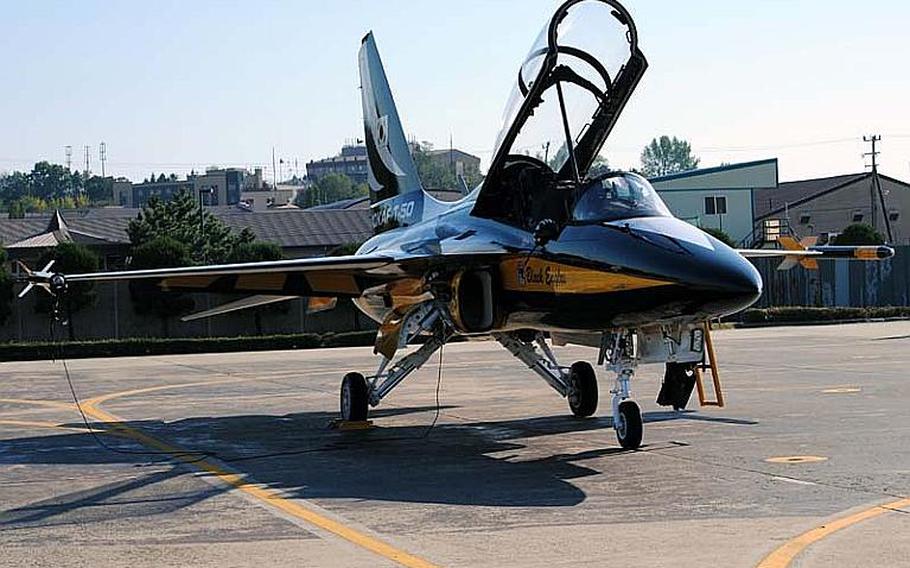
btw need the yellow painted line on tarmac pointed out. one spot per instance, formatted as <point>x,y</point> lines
<point>784,556</point>
<point>842,390</point>
<point>40,424</point>
<point>792,460</point>
<point>104,398</point>
<point>268,496</point>
<point>45,403</point>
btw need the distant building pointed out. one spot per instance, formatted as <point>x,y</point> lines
<point>269,198</point>
<point>351,162</point>
<point>216,186</point>
<point>462,163</point>
<point>826,206</point>
<point>719,198</point>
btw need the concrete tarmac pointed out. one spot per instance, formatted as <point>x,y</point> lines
<point>505,478</point>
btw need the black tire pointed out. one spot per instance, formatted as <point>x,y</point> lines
<point>355,398</point>
<point>583,397</point>
<point>629,430</point>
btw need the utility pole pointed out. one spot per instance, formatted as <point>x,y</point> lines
<point>88,163</point>
<point>68,150</point>
<point>274,171</point>
<point>877,186</point>
<point>102,155</point>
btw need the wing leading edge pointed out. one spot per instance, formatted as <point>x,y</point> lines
<point>344,276</point>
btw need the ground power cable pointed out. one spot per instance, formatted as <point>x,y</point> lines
<point>61,356</point>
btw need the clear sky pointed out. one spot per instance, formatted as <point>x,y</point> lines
<point>174,85</point>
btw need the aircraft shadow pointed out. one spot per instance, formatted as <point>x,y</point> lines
<point>485,463</point>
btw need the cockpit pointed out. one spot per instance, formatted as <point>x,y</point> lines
<point>617,196</point>
<point>571,89</point>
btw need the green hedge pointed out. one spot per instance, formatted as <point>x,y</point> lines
<point>155,346</point>
<point>808,315</point>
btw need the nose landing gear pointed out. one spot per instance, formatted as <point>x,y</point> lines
<point>618,353</point>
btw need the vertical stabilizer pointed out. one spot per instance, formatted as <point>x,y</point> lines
<point>392,169</point>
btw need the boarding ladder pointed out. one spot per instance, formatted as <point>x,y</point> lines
<point>709,365</point>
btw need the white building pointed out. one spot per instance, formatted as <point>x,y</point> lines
<point>719,198</point>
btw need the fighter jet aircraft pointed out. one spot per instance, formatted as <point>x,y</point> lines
<point>541,250</point>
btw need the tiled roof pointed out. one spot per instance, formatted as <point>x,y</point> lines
<point>290,228</point>
<point>768,201</point>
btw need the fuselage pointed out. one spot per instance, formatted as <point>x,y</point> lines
<point>593,276</point>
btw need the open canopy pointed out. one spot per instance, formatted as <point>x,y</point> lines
<point>571,89</point>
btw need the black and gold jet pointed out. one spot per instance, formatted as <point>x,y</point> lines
<point>542,246</point>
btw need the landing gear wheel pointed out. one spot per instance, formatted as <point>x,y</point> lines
<point>583,393</point>
<point>629,426</point>
<point>355,398</point>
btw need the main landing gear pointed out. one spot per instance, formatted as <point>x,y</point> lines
<point>358,393</point>
<point>577,383</point>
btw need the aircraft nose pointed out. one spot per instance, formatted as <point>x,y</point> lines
<point>718,281</point>
<point>737,283</point>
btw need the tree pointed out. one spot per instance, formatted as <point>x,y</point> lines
<point>70,258</point>
<point>720,235</point>
<point>148,298</point>
<point>859,234</point>
<point>665,155</point>
<point>329,189</point>
<point>208,238</point>
<point>259,252</point>
<point>346,249</point>
<point>256,252</point>
<point>6,289</point>
<point>99,190</point>
<point>436,172</point>
<point>600,167</point>
<point>13,186</point>
<point>54,186</point>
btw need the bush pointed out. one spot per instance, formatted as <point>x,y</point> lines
<point>155,346</point>
<point>859,234</point>
<point>720,235</point>
<point>808,315</point>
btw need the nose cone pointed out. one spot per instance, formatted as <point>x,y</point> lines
<point>717,281</point>
<point>736,284</point>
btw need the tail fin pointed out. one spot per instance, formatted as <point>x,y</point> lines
<point>395,189</point>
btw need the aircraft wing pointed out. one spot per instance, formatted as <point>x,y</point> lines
<point>343,276</point>
<point>808,256</point>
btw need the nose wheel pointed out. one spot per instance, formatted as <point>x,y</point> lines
<point>628,425</point>
<point>355,398</point>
